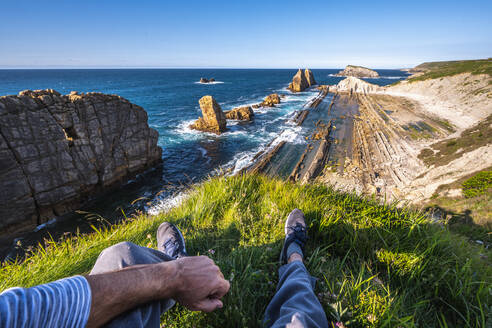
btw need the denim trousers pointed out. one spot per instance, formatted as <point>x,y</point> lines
<point>293,305</point>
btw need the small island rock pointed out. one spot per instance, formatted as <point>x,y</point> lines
<point>244,113</point>
<point>271,100</point>
<point>204,80</point>
<point>357,71</point>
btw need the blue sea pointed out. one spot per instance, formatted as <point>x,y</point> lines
<point>170,97</point>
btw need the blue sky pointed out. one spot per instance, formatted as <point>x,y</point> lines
<point>276,34</point>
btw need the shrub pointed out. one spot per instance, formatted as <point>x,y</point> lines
<point>478,184</point>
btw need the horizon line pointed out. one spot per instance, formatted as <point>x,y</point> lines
<point>173,67</point>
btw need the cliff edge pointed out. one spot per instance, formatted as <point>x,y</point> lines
<point>56,150</point>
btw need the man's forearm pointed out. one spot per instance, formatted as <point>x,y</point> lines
<point>116,292</point>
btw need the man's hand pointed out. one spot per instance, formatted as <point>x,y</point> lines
<point>200,284</point>
<point>195,282</point>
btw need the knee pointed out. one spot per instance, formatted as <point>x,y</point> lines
<point>114,257</point>
<point>120,250</point>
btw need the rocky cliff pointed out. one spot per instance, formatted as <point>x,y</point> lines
<point>302,80</point>
<point>56,150</point>
<point>357,71</point>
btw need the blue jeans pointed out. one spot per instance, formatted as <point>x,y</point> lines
<point>294,304</point>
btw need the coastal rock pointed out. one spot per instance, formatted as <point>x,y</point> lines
<point>240,113</point>
<point>354,85</point>
<point>213,119</point>
<point>204,80</point>
<point>58,150</point>
<point>310,77</point>
<point>302,80</point>
<point>357,71</point>
<point>271,100</point>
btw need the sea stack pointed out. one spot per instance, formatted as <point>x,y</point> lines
<point>213,119</point>
<point>244,113</point>
<point>358,71</point>
<point>302,80</point>
<point>57,150</point>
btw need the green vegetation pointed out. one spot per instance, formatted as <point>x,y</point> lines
<point>379,266</point>
<point>445,151</point>
<point>478,185</point>
<point>435,70</point>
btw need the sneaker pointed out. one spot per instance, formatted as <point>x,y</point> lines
<point>170,240</point>
<point>295,232</point>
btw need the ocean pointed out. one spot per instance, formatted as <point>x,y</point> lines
<point>170,97</point>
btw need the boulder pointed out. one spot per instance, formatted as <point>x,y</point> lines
<point>358,71</point>
<point>240,113</point>
<point>57,150</point>
<point>302,80</point>
<point>213,119</point>
<point>211,80</point>
<point>271,100</point>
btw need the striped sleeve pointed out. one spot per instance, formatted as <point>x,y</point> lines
<point>62,303</point>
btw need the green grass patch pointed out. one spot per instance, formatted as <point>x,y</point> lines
<point>477,185</point>
<point>435,70</point>
<point>378,265</point>
<point>445,151</point>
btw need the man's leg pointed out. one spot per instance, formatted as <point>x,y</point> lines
<point>170,245</point>
<point>295,304</point>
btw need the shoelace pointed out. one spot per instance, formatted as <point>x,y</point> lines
<point>297,234</point>
<point>171,247</point>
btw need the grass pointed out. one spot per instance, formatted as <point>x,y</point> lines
<point>378,265</point>
<point>435,70</point>
<point>471,215</point>
<point>445,151</point>
<point>479,184</point>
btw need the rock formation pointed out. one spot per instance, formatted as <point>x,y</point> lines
<point>310,77</point>
<point>213,119</point>
<point>354,85</point>
<point>302,80</point>
<point>357,71</point>
<point>271,100</point>
<point>244,113</point>
<point>204,80</point>
<point>57,150</point>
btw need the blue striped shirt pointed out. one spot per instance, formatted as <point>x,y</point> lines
<point>62,303</point>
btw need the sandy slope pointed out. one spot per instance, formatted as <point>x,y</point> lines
<point>389,164</point>
<point>462,99</point>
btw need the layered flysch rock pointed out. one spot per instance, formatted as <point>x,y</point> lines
<point>355,85</point>
<point>357,71</point>
<point>56,150</point>
<point>244,113</point>
<point>213,119</point>
<point>302,80</point>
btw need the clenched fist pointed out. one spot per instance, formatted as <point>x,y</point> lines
<point>199,283</point>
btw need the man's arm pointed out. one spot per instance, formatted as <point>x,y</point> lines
<point>195,282</point>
